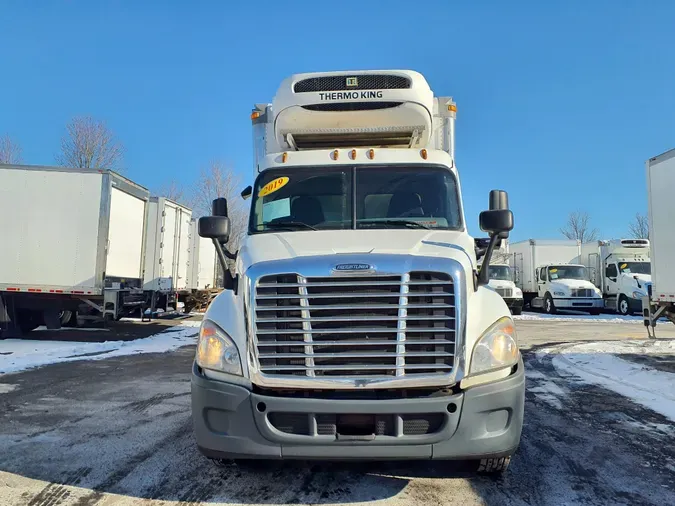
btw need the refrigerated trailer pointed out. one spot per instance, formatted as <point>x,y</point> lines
<point>167,254</point>
<point>548,273</point>
<point>69,237</point>
<point>660,301</point>
<point>202,272</point>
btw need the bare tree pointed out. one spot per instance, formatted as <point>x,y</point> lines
<point>220,181</point>
<point>639,228</point>
<point>10,151</point>
<point>578,227</point>
<point>89,144</point>
<point>173,190</point>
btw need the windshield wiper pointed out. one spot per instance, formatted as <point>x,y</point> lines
<point>288,225</point>
<point>405,223</point>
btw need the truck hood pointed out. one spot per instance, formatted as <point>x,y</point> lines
<point>280,246</point>
<point>568,284</point>
<point>501,283</point>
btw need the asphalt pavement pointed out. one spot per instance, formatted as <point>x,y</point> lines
<point>118,432</point>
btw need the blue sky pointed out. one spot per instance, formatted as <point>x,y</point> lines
<point>560,103</point>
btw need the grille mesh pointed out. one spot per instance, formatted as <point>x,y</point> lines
<point>504,292</point>
<point>346,327</point>
<point>582,292</point>
<point>351,106</point>
<point>364,82</point>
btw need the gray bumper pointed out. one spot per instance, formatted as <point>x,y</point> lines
<point>580,303</point>
<point>229,423</point>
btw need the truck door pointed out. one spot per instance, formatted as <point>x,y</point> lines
<point>541,282</point>
<point>611,278</point>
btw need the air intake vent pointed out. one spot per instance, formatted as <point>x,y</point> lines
<point>351,106</point>
<point>359,82</point>
<point>386,139</point>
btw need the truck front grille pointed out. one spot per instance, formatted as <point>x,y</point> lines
<point>363,82</point>
<point>504,292</point>
<point>582,292</point>
<point>351,327</point>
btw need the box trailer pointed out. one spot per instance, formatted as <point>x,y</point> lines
<point>69,236</point>
<point>167,253</point>
<point>551,278</point>
<point>660,302</point>
<point>202,272</point>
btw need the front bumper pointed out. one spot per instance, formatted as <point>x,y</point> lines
<point>579,303</point>
<point>484,421</point>
<point>513,303</point>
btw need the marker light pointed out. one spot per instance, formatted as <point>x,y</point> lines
<point>255,115</point>
<point>335,154</point>
<point>452,108</point>
<point>284,157</point>
<point>424,153</point>
<point>353,154</point>
<point>371,153</point>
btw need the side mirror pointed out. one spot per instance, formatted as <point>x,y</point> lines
<point>497,222</point>
<point>247,192</point>
<point>215,227</point>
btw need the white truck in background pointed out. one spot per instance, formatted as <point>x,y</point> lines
<point>355,324</point>
<point>621,269</point>
<point>548,273</point>
<point>502,281</point>
<point>660,301</point>
<point>72,240</point>
<point>167,254</point>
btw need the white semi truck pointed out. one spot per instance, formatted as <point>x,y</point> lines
<point>71,239</point>
<point>621,270</point>
<point>548,273</point>
<point>660,301</point>
<point>356,324</point>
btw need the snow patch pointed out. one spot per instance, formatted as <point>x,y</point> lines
<point>579,317</point>
<point>21,354</point>
<point>6,388</point>
<point>597,363</point>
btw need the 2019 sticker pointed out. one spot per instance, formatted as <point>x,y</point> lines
<point>273,186</point>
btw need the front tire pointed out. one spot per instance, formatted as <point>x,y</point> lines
<point>623,306</point>
<point>494,466</point>
<point>517,311</point>
<point>549,306</point>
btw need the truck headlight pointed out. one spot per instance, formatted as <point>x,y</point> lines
<point>518,293</point>
<point>497,347</point>
<point>559,294</point>
<point>638,294</point>
<point>216,350</point>
<point>598,293</point>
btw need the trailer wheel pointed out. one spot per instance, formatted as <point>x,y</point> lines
<point>65,315</point>
<point>549,306</point>
<point>494,466</point>
<point>623,306</point>
<point>28,320</point>
<point>517,311</point>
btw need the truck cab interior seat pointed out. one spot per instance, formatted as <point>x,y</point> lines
<point>405,204</point>
<point>307,209</point>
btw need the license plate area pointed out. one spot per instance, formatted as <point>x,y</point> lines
<point>355,425</point>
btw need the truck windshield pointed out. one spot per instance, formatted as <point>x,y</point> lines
<point>567,272</point>
<point>334,198</point>
<point>635,268</point>
<point>502,272</point>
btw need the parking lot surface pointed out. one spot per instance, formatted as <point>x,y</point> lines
<point>118,432</point>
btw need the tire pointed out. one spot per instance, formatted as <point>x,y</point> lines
<point>28,320</point>
<point>594,312</point>
<point>549,305</point>
<point>517,311</point>
<point>494,466</point>
<point>66,315</point>
<point>623,307</point>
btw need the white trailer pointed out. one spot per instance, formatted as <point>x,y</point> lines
<point>621,270</point>
<point>202,272</point>
<point>167,253</point>
<point>68,236</point>
<point>661,206</point>
<point>548,273</point>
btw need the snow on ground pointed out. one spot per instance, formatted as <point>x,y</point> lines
<point>574,316</point>
<point>21,354</point>
<point>600,363</point>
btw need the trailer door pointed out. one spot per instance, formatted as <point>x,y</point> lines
<point>125,235</point>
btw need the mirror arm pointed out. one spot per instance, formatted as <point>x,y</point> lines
<point>483,274</point>
<point>223,255</point>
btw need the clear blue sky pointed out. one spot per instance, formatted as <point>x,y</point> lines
<point>558,104</point>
